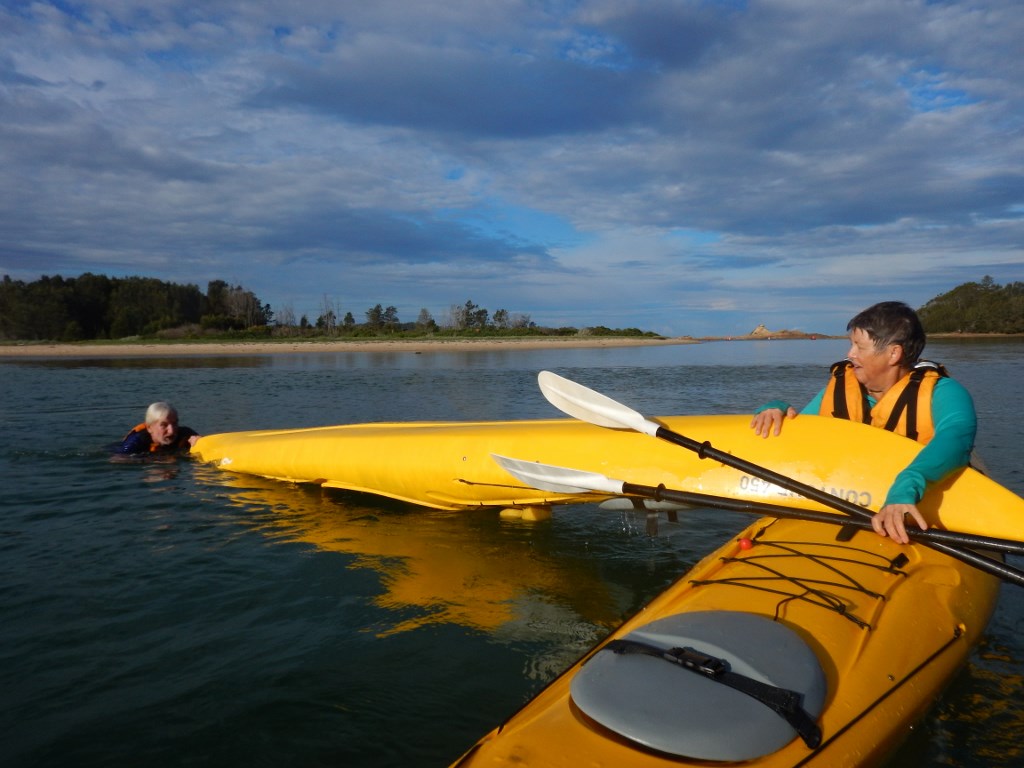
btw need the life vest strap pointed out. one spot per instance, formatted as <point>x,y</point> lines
<point>841,392</point>
<point>907,402</point>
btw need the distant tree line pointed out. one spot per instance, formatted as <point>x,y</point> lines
<point>98,307</point>
<point>94,307</point>
<point>984,307</point>
<point>461,319</point>
<point>466,320</point>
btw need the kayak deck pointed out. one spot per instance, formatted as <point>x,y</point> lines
<point>889,625</point>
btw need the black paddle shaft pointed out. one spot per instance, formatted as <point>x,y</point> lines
<point>691,498</point>
<point>707,451</point>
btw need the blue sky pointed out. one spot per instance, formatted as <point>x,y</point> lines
<point>692,168</point>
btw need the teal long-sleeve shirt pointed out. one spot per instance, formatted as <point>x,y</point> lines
<point>956,425</point>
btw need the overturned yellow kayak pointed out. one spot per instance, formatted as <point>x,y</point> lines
<point>449,465</point>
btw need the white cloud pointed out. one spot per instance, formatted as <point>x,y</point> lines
<point>686,167</point>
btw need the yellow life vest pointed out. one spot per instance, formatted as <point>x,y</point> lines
<point>905,409</point>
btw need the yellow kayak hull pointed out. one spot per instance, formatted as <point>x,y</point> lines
<point>448,465</point>
<point>888,641</point>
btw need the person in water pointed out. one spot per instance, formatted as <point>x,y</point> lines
<point>884,383</point>
<point>159,433</point>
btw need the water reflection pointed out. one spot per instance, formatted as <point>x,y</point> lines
<point>466,568</point>
<point>142,363</point>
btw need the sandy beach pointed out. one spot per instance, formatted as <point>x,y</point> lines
<point>169,349</point>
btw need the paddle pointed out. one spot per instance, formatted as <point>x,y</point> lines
<point>587,405</point>
<point>547,477</point>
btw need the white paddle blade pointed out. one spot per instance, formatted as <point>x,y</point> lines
<point>587,405</point>
<point>557,479</point>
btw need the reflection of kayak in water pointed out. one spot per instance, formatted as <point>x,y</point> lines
<point>788,646</point>
<point>436,567</point>
<point>448,465</point>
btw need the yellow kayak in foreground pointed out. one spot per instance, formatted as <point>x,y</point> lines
<point>839,647</point>
<point>449,465</point>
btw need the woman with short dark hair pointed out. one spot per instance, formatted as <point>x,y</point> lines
<point>883,382</point>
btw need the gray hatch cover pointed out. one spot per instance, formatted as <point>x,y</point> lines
<point>681,712</point>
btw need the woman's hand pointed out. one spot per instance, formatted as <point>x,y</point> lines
<point>891,521</point>
<point>769,421</point>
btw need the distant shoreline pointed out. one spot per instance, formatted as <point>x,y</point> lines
<point>227,348</point>
<point>418,346</point>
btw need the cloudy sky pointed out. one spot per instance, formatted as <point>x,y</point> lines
<point>683,166</point>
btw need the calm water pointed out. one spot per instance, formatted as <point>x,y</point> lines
<point>172,614</point>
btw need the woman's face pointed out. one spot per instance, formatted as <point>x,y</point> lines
<point>877,369</point>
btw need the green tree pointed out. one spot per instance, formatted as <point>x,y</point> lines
<point>375,318</point>
<point>216,298</point>
<point>95,306</point>
<point>984,307</point>
<point>326,321</point>
<point>90,305</point>
<point>474,317</point>
<point>425,321</point>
